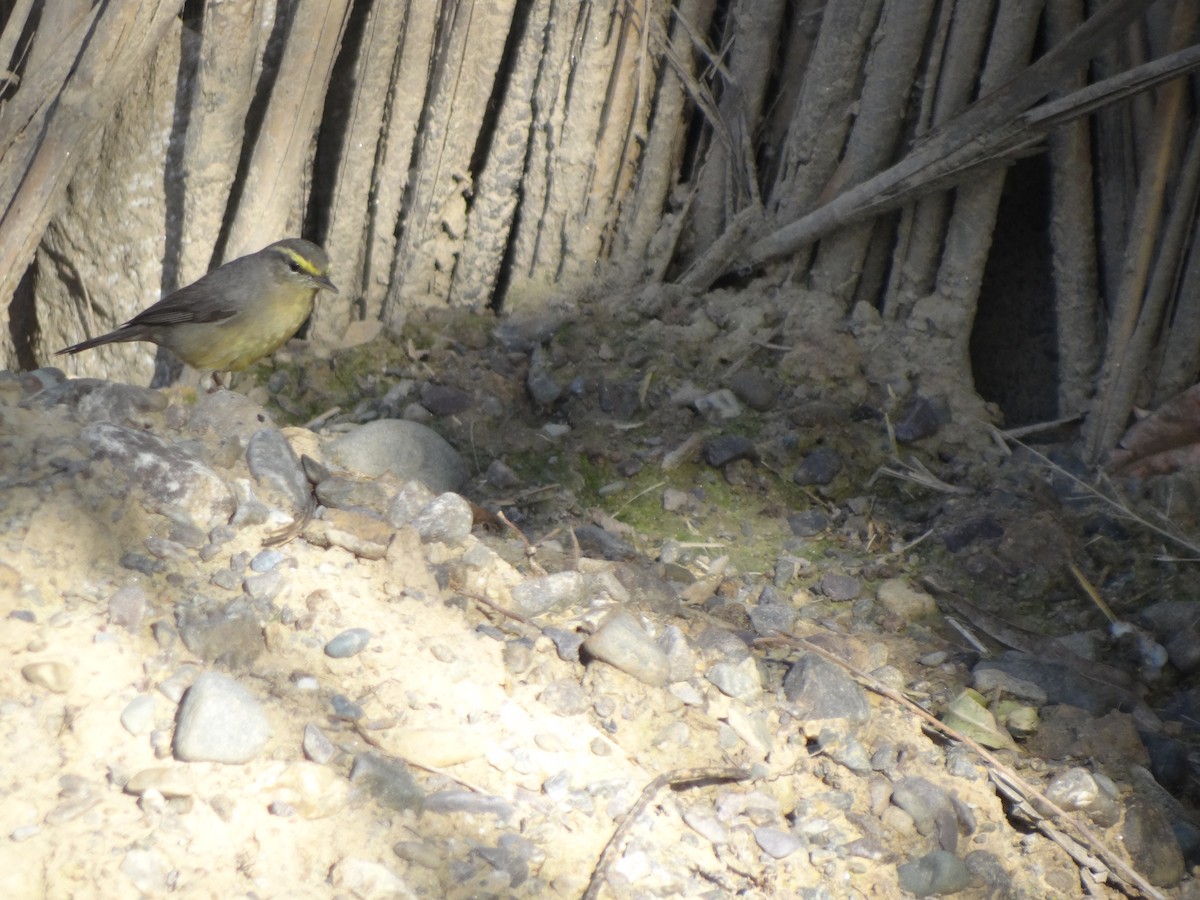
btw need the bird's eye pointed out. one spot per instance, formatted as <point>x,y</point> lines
<point>294,265</point>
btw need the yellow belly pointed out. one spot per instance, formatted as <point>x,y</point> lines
<point>239,341</point>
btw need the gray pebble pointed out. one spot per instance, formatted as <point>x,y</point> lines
<point>754,389</point>
<point>420,852</point>
<point>565,697</point>
<point>447,518</point>
<point>566,642</point>
<point>346,709</point>
<point>52,675</point>
<point>277,473</point>
<point>721,451</point>
<point>718,405</point>
<point>266,561</point>
<point>740,680</point>
<point>844,749</point>
<point>93,400</point>
<point>349,643</point>
<point>317,747</point>
<point>443,400</point>
<point>939,872</point>
<point>138,715</point>
<point>821,690</point>
<point>1151,845</point>
<point>680,655</point>
<point>922,417</point>
<point>931,808</point>
<point>621,642</point>
<point>819,467</point>
<point>226,579</point>
<point>511,855</point>
<point>412,497</point>
<point>219,720</point>
<point>1075,789</point>
<point>808,522</point>
<point>501,476</point>
<point>773,617</point>
<point>389,782</point>
<point>353,494</point>
<point>263,588</point>
<point>543,388</point>
<point>127,607</point>
<point>162,548</point>
<point>594,541</point>
<point>777,843</point>
<point>703,820</point>
<point>462,801</point>
<point>230,636</point>
<point>837,586</point>
<point>535,596</point>
<point>406,449</point>
<point>140,562</point>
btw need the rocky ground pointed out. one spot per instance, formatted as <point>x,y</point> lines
<point>657,614</point>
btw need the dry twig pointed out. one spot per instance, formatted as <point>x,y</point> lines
<point>675,778</point>
<point>1113,864</point>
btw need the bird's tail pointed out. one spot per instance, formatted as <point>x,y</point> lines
<point>113,337</point>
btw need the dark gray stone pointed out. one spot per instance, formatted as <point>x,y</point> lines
<point>838,586</point>
<point>721,451</point>
<point>921,417</point>
<point>1151,844</point>
<point>469,802</point>
<point>229,636</point>
<point>277,473</point>
<point>808,522</point>
<point>353,494</point>
<point>935,873</point>
<point>346,709</point>
<point>350,642</point>
<point>820,466</point>
<point>820,690</point>
<point>389,782</point>
<point>443,400</point>
<point>931,808</point>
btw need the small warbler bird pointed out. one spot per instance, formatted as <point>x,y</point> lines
<point>234,315</point>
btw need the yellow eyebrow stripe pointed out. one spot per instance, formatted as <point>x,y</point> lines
<point>303,263</point>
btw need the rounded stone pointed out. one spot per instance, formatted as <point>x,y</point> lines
<point>350,642</point>
<point>219,720</point>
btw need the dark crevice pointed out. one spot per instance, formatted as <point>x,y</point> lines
<point>1014,349</point>
<point>336,123</point>
<point>500,85</point>
<point>272,56</point>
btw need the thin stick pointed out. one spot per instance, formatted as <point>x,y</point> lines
<point>1120,870</point>
<point>677,777</point>
<point>1090,590</point>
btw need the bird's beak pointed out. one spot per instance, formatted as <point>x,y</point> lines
<point>324,282</point>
